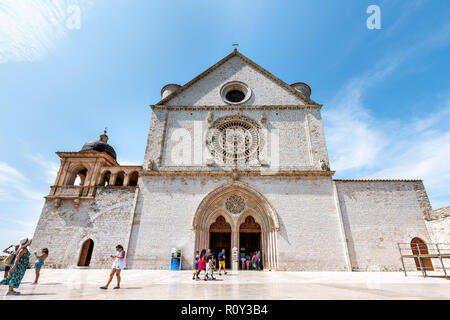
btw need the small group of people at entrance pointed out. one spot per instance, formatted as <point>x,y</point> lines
<point>251,261</point>
<point>205,261</point>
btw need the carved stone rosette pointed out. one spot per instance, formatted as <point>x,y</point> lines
<point>235,204</point>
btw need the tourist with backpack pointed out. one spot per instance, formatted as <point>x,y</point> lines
<point>222,258</point>
<point>10,258</point>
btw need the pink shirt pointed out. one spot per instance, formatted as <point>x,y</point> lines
<point>201,264</point>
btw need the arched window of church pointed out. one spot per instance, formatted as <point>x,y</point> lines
<point>134,176</point>
<point>119,179</point>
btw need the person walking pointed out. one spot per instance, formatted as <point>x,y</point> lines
<point>201,262</point>
<point>255,261</point>
<point>39,263</point>
<point>247,262</point>
<point>209,266</point>
<point>222,258</point>
<point>10,258</point>
<point>195,276</point>
<point>243,262</point>
<point>118,265</point>
<point>19,268</point>
<point>259,260</point>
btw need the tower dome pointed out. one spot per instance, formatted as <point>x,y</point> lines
<point>100,146</point>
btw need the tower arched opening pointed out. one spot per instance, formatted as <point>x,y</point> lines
<point>77,176</point>
<point>119,179</point>
<point>104,179</point>
<point>134,177</point>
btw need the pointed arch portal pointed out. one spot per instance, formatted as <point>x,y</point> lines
<point>250,221</point>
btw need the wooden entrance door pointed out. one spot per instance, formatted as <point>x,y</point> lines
<point>249,238</point>
<point>418,246</point>
<point>86,253</point>
<point>218,242</point>
<point>219,239</point>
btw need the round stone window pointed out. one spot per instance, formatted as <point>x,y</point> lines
<point>233,138</point>
<point>235,96</point>
<point>235,92</point>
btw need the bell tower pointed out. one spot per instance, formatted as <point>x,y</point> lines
<point>80,171</point>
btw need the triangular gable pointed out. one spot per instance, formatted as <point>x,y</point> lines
<point>236,53</point>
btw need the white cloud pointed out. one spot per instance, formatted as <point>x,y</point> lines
<point>14,186</point>
<point>30,29</point>
<point>129,162</point>
<point>353,140</point>
<point>406,149</point>
<point>421,150</point>
<point>49,169</point>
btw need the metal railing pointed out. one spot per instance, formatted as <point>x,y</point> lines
<point>422,254</point>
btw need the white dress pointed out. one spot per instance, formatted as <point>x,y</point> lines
<point>119,263</point>
<point>209,268</point>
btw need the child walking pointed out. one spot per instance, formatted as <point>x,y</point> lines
<point>209,266</point>
<point>39,264</point>
<point>195,276</point>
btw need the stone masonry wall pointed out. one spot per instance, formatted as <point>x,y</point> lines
<point>378,215</point>
<point>106,220</point>
<point>298,144</point>
<point>309,236</point>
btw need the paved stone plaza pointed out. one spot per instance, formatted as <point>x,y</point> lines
<point>153,284</point>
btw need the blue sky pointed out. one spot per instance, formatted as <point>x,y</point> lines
<point>386,93</point>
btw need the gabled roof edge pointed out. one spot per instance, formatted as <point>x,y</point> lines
<point>255,65</point>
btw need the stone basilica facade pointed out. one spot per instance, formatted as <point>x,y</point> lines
<point>235,158</point>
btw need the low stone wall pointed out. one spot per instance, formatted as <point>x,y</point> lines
<point>439,213</point>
